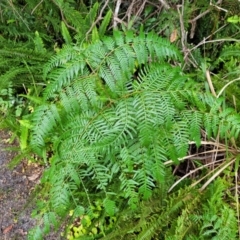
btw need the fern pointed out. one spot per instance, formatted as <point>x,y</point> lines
<point>104,58</point>
<point>104,24</point>
<point>39,45</point>
<point>66,34</point>
<point>21,78</point>
<point>115,112</point>
<point>111,113</point>
<point>184,215</point>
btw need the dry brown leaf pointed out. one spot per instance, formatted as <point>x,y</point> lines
<point>7,229</point>
<point>21,232</point>
<point>174,36</point>
<point>35,176</point>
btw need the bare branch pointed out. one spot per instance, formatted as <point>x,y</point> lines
<point>183,31</point>
<point>165,4</point>
<point>118,4</point>
<point>36,7</point>
<point>193,21</point>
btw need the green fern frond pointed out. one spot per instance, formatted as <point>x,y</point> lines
<point>115,111</point>
<point>66,54</point>
<point>21,53</point>
<point>91,16</point>
<point>110,60</point>
<point>10,76</point>
<point>39,45</point>
<point>61,193</point>
<point>35,233</point>
<point>219,219</point>
<point>195,120</point>
<point>104,24</point>
<point>43,128</point>
<point>65,33</point>
<point>231,123</point>
<point>50,220</point>
<point>110,206</point>
<point>230,51</point>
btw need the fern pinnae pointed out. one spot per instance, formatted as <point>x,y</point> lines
<point>194,119</point>
<point>63,76</point>
<point>39,45</point>
<point>128,186</point>
<point>49,119</point>
<point>91,16</point>
<point>116,122</point>
<point>140,51</point>
<point>111,68</point>
<point>66,54</point>
<point>65,33</point>
<point>232,123</point>
<point>161,48</point>
<point>104,24</point>
<point>10,76</point>
<point>230,51</point>
<point>180,132</point>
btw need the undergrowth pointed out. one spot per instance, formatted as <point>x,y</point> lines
<point>135,121</point>
<point>112,123</point>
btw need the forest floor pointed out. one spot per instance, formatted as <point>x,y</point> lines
<point>16,186</point>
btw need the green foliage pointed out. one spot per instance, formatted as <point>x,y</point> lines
<point>234,19</point>
<point>185,214</point>
<point>109,111</point>
<point>227,80</point>
<point>114,113</point>
<point>66,35</point>
<point>52,19</point>
<point>28,32</point>
<point>21,73</point>
<point>203,216</point>
<point>17,26</point>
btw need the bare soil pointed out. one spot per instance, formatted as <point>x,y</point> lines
<point>16,187</point>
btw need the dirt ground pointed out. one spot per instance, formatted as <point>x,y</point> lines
<point>15,189</point>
